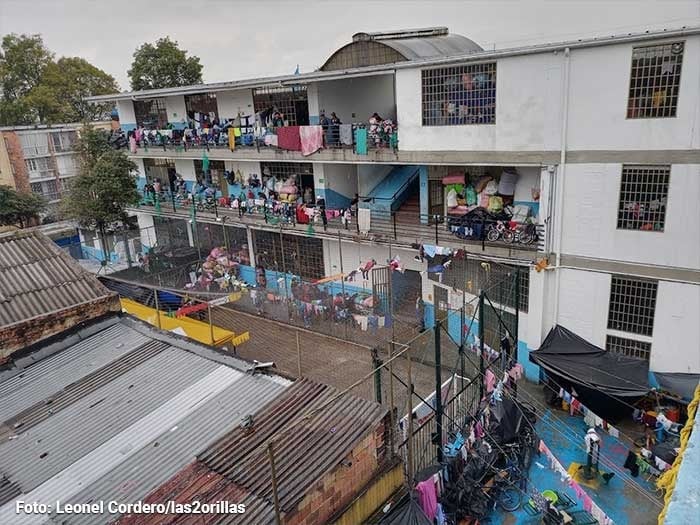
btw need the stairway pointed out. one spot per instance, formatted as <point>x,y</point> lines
<point>409,211</point>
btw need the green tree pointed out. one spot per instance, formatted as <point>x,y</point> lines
<point>23,59</point>
<point>19,208</point>
<point>104,188</point>
<point>60,94</point>
<point>163,65</point>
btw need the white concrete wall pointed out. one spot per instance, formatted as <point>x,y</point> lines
<point>675,344</point>
<point>175,107</point>
<point>528,106</point>
<point>230,103</point>
<point>590,206</point>
<point>583,304</point>
<point>125,108</point>
<point>185,167</point>
<point>599,93</point>
<point>355,99</point>
<point>355,255</point>
<point>340,178</point>
<point>584,309</point>
<point>247,168</point>
<point>523,110</point>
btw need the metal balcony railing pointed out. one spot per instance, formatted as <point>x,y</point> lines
<point>402,227</point>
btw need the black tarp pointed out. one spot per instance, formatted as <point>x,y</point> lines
<point>505,420</point>
<point>406,512</point>
<point>581,363</point>
<point>681,384</point>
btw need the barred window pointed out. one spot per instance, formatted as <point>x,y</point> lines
<point>151,114</point>
<point>203,103</point>
<point>643,195</point>
<point>632,305</point>
<point>655,80</point>
<point>454,96</point>
<point>297,255</point>
<point>292,102</point>
<point>301,172</point>
<point>158,169</point>
<point>628,347</point>
<point>468,275</point>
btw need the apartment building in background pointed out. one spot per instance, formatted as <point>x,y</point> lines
<point>596,140</point>
<point>41,159</point>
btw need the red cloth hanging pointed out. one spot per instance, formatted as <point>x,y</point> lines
<point>288,138</point>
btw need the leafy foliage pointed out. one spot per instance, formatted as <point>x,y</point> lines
<point>163,65</point>
<point>105,186</point>
<point>18,208</point>
<point>35,88</point>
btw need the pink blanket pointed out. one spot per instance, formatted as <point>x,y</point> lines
<point>311,139</point>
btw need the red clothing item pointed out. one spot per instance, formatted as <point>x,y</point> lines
<point>288,138</point>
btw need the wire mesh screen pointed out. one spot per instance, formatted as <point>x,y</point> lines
<point>643,197</point>
<point>655,80</point>
<point>459,95</point>
<point>632,305</point>
<point>360,54</point>
<point>292,102</point>
<point>151,114</point>
<point>628,347</point>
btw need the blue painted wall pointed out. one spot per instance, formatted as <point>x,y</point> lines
<point>389,185</point>
<point>126,127</point>
<point>334,200</point>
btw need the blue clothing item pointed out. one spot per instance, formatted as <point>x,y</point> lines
<point>429,250</point>
<point>361,141</point>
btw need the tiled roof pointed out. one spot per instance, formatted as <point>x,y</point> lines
<point>37,278</point>
<point>115,414</point>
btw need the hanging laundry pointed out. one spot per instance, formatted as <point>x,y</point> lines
<point>311,139</point>
<point>346,134</point>
<point>288,138</point>
<point>429,250</point>
<point>361,141</point>
<point>231,138</point>
<point>427,497</point>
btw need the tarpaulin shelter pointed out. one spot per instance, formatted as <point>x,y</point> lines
<point>598,376</point>
<point>407,512</point>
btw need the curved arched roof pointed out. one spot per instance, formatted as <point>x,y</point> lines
<point>369,49</point>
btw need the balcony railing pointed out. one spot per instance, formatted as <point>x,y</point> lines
<point>358,137</point>
<point>402,227</point>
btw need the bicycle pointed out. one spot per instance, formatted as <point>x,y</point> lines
<point>522,234</point>
<point>496,231</point>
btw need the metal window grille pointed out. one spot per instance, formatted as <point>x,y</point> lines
<point>468,275</point>
<point>302,173</point>
<point>655,80</point>
<point>151,114</point>
<point>459,95</point>
<point>643,195</point>
<point>292,102</point>
<point>158,169</point>
<point>628,347</point>
<point>215,176</point>
<point>632,305</point>
<point>201,103</point>
<point>361,54</point>
<point>171,233</point>
<point>303,256</point>
<point>36,187</point>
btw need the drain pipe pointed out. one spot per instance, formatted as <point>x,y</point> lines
<point>559,202</point>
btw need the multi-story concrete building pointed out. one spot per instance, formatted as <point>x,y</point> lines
<point>40,159</point>
<point>596,140</point>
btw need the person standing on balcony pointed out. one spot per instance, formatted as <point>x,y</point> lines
<point>335,129</point>
<point>325,124</point>
<point>321,203</point>
<point>277,120</point>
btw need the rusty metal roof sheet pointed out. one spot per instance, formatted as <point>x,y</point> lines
<point>305,448</point>
<point>37,278</point>
<point>126,399</point>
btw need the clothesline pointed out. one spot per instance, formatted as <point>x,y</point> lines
<point>588,504</point>
<point>591,419</point>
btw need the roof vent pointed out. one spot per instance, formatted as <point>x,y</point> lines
<point>401,33</point>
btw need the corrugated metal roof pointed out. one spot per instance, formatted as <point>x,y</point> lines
<point>318,76</point>
<point>305,449</point>
<point>38,278</point>
<point>114,422</point>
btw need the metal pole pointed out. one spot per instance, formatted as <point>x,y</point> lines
<point>155,294</point>
<point>438,393</point>
<point>517,310</point>
<point>342,281</point>
<point>481,344</point>
<point>298,355</point>
<point>391,398</point>
<point>461,339</point>
<point>393,218</point>
<point>409,455</point>
<point>437,243</point>
<point>273,476</point>
<point>126,249</point>
<point>211,326</point>
<point>376,363</point>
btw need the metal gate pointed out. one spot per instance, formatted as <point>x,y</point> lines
<point>441,304</point>
<point>381,289</point>
<point>436,196</point>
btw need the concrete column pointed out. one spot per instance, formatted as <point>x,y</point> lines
<point>251,253</point>
<point>147,231</point>
<point>314,109</point>
<point>424,198</point>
